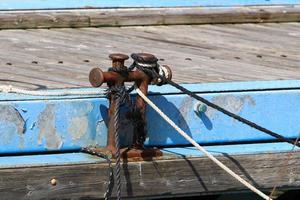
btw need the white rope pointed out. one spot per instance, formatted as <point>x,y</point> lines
<point>200,148</point>
<point>151,65</point>
<point>12,89</point>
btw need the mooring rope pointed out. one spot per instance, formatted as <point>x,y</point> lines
<point>152,72</point>
<point>121,96</point>
<point>17,90</point>
<point>234,116</point>
<point>200,148</point>
<point>118,154</point>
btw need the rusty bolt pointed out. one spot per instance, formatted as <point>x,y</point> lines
<point>118,59</point>
<point>96,77</point>
<point>144,58</point>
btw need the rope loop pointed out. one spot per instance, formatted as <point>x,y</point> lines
<point>153,70</point>
<point>120,93</point>
<point>120,70</point>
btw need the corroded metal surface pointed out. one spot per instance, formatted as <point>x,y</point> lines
<point>115,77</point>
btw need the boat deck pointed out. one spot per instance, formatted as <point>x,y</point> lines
<point>62,58</point>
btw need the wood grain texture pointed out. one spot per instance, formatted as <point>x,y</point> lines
<point>62,58</point>
<point>169,177</point>
<point>146,16</point>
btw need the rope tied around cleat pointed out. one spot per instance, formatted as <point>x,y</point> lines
<point>120,95</point>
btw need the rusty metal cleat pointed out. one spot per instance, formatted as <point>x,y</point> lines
<point>141,79</point>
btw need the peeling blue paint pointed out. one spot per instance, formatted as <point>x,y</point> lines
<point>275,110</point>
<point>39,124</point>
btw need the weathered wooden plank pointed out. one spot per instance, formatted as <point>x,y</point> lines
<point>57,58</point>
<point>146,16</point>
<point>168,177</point>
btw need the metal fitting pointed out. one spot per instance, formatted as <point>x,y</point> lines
<point>200,108</point>
<point>118,59</point>
<point>150,62</point>
<point>145,59</point>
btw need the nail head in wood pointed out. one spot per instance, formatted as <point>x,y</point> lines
<point>53,182</point>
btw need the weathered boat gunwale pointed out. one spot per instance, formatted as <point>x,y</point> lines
<point>79,18</point>
<point>67,123</point>
<point>169,177</point>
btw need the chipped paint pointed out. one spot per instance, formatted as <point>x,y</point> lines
<point>101,134</point>
<point>185,106</point>
<point>79,124</point>
<point>50,121</point>
<point>184,109</point>
<point>11,115</point>
<point>12,125</point>
<point>231,103</point>
<point>32,126</point>
<point>47,129</point>
<point>78,127</point>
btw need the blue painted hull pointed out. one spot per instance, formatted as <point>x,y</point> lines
<point>40,124</point>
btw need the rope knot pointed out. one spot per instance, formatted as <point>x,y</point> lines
<point>118,92</point>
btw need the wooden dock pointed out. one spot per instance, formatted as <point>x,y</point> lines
<point>62,58</point>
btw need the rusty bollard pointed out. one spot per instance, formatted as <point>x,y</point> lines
<point>142,80</point>
<point>97,78</point>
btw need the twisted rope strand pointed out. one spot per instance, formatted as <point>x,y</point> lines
<point>118,155</point>
<point>17,90</point>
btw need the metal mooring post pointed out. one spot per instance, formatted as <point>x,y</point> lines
<point>97,78</point>
<point>116,76</point>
